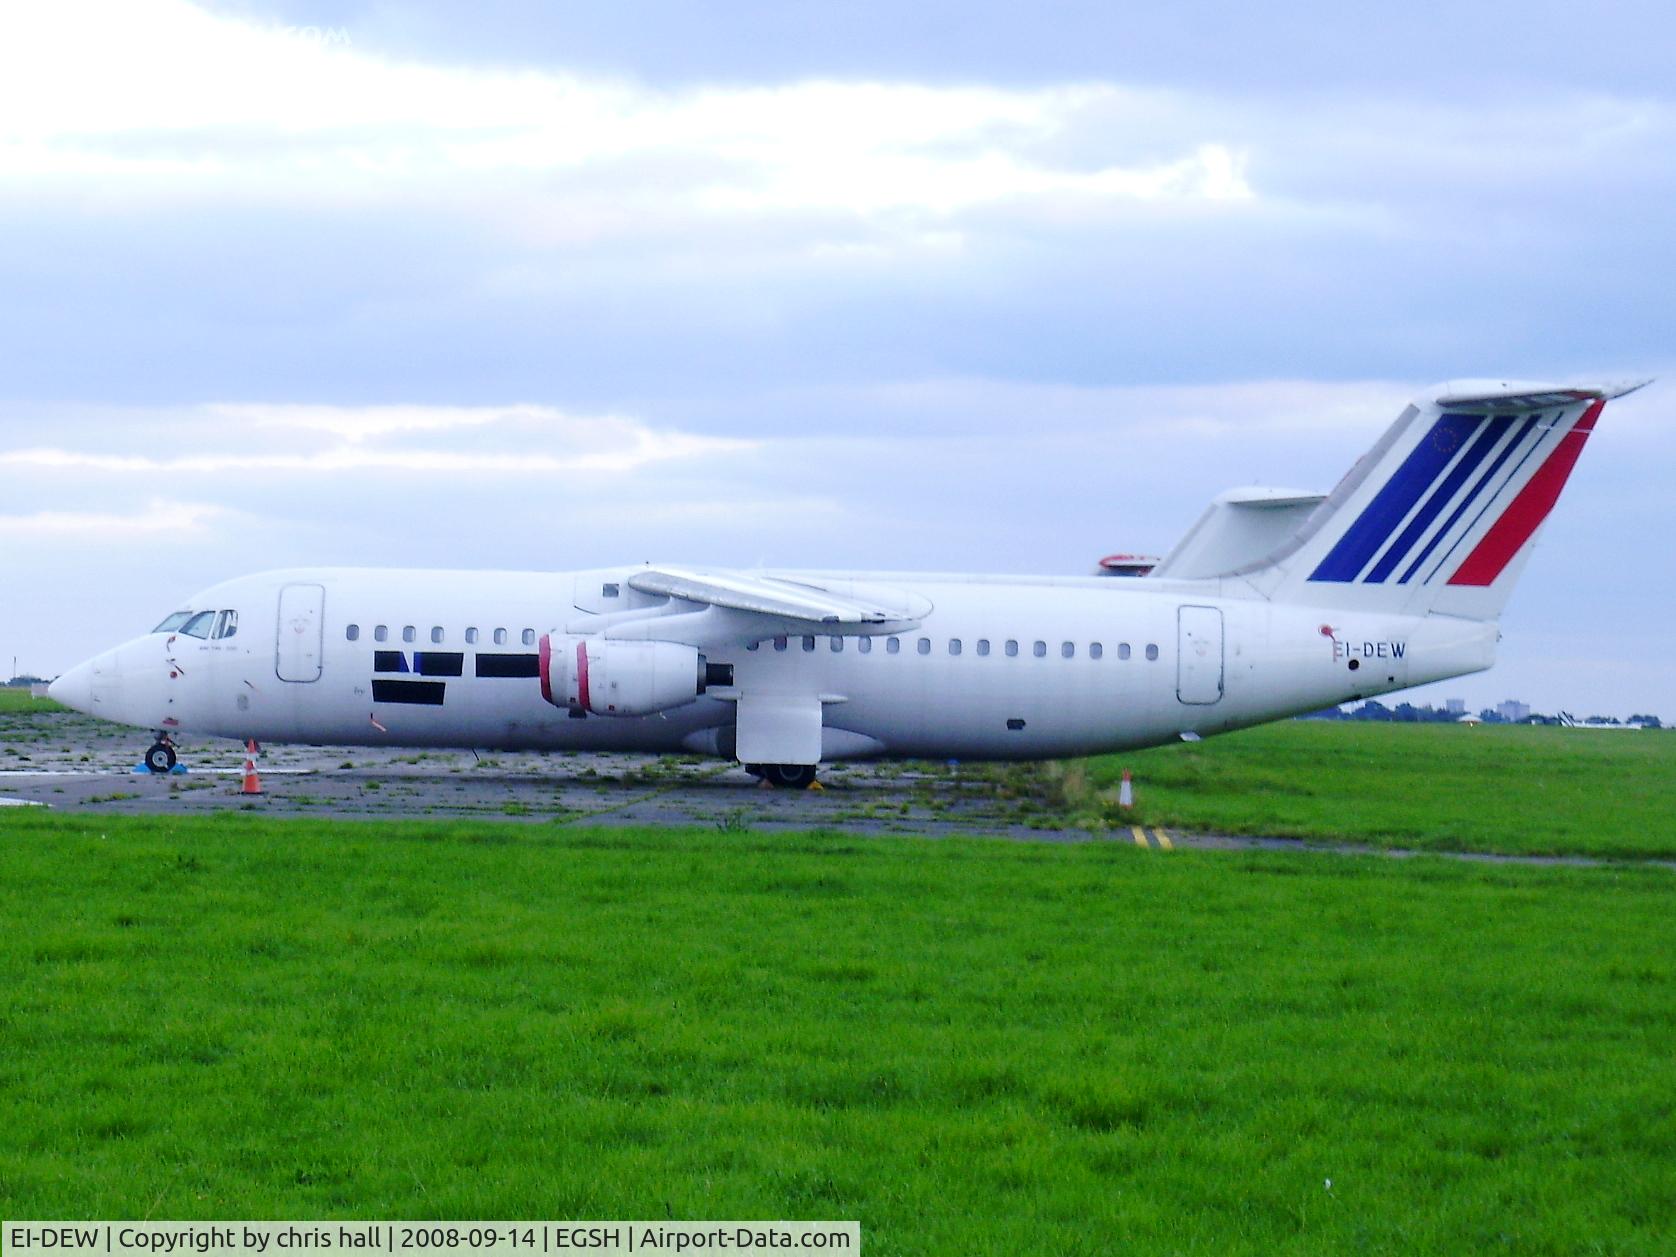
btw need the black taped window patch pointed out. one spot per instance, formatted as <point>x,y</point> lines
<point>389,661</point>
<point>416,693</point>
<point>508,665</point>
<point>439,663</point>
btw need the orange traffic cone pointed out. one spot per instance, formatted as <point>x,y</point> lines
<point>252,783</point>
<point>1126,791</point>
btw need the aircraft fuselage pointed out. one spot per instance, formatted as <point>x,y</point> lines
<point>999,668</point>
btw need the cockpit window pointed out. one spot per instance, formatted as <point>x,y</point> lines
<point>227,625</point>
<point>199,625</point>
<point>173,622</point>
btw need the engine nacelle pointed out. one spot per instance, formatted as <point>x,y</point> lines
<point>612,678</point>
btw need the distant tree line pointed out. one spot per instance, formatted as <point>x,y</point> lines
<point>1410,713</point>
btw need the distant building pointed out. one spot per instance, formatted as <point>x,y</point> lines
<point>1513,711</point>
<point>1455,706</point>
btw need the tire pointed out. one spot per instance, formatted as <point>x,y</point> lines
<point>790,776</point>
<point>160,758</point>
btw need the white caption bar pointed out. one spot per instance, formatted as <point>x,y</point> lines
<point>418,1239</point>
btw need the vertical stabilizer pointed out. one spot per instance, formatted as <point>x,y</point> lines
<point>1440,516</point>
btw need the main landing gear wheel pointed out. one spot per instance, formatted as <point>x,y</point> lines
<point>160,758</point>
<point>789,776</point>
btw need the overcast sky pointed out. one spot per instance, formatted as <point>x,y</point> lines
<point>994,287</point>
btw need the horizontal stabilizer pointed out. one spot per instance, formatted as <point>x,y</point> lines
<point>1504,397</point>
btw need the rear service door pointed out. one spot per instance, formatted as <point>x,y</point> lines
<point>1199,655</point>
<point>301,625</point>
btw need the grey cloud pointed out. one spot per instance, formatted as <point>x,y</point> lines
<point>1420,49</point>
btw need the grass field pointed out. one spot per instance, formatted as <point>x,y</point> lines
<point>16,698</point>
<point>970,1046</point>
<point>1514,789</point>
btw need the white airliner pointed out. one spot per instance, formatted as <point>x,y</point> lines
<point>1274,603</point>
<point>1571,722</point>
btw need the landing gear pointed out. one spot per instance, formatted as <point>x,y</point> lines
<point>787,776</point>
<point>160,759</point>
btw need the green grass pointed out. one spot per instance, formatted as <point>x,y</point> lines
<point>969,1046</point>
<point>1516,789</point>
<point>15,698</point>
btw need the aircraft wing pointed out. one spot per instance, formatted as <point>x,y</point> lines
<point>780,598</point>
<point>710,609</point>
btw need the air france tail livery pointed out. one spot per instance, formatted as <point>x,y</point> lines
<point>1274,603</point>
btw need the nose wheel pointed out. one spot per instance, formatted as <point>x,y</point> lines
<point>160,758</point>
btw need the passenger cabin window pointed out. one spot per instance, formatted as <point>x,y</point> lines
<point>1152,650</point>
<point>954,645</point>
<point>1012,648</point>
<point>924,646</point>
<point>471,637</point>
<point>1067,650</point>
<point>864,645</point>
<point>808,643</point>
<point>173,622</point>
<point>529,637</point>
<point>1123,650</point>
<point>199,625</point>
<point>227,625</point>
<point>500,637</point>
<point>752,645</point>
<point>436,636</point>
<point>352,633</point>
<point>1039,650</point>
<point>893,645</point>
<point>610,590</point>
<point>983,645</point>
<point>1095,650</point>
<point>410,633</point>
<point>780,642</point>
<point>381,634</point>
<point>837,644</point>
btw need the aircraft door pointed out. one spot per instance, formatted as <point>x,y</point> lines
<point>301,630</point>
<point>1199,655</point>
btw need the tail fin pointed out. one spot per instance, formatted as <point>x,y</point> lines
<point>1441,513</point>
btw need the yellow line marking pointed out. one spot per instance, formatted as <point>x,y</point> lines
<point>1140,835</point>
<point>1163,840</point>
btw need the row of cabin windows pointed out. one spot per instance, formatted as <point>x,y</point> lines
<point>381,633</point>
<point>893,645</point>
<point>1010,648</point>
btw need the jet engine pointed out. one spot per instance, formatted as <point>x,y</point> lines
<point>623,678</point>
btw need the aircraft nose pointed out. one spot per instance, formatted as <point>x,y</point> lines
<point>74,688</point>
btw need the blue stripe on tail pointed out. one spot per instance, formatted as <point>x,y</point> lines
<point>1466,502</point>
<point>1362,540</point>
<point>1440,498</point>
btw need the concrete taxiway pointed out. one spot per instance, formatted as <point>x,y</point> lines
<point>71,762</point>
<point>63,760</point>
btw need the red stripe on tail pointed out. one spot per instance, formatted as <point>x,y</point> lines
<point>1524,515</point>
